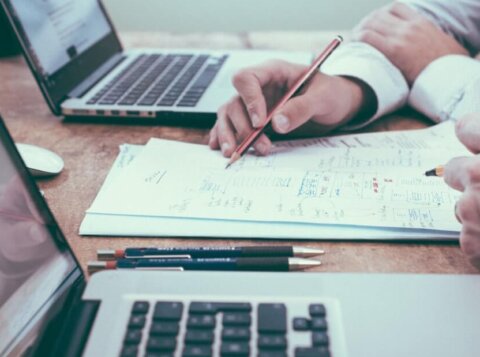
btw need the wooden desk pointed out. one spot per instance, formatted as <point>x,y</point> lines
<point>90,149</point>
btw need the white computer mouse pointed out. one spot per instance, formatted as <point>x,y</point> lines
<point>40,162</point>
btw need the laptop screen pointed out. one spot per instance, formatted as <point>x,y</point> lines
<point>64,41</point>
<point>60,30</point>
<point>35,261</point>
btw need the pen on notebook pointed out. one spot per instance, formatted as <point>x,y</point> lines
<point>209,252</point>
<point>232,264</point>
<point>298,85</point>
<point>437,171</point>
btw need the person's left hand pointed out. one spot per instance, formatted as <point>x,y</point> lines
<point>408,39</point>
<point>463,174</point>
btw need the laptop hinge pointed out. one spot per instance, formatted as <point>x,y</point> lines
<point>66,334</point>
<point>96,76</point>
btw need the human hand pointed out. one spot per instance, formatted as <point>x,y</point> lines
<point>408,39</point>
<point>327,102</point>
<point>463,174</point>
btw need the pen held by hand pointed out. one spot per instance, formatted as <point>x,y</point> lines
<point>296,88</point>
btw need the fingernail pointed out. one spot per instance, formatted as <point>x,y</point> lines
<point>225,147</point>
<point>255,120</point>
<point>282,122</point>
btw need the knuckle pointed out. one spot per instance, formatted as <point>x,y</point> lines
<point>470,245</point>
<point>468,208</point>
<point>241,77</point>
<point>473,171</point>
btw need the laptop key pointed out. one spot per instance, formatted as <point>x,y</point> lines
<point>236,334</point>
<point>272,318</point>
<point>317,310</point>
<point>162,343</point>
<point>199,337</point>
<point>235,319</point>
<point>140,307</point>
<point>197,351</point>
<point>320,339</point>
<point>136,321</point>
<point>272,353</point>
<point>164,328</point>
<point>201,321</point>
<point>129,351</point>
<point>319,324</point>
<point>312,352</point>
<point>168,311</point>
<point>159,354</point>
<point>133,337</point>
<point>301,324</point>
<point>272,342</point>
<point>234,349</point>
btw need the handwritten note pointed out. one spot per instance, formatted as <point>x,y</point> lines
<point>308,183</point>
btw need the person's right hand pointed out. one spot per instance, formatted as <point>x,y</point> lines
<point>327,103</point>
<point>463,174</point>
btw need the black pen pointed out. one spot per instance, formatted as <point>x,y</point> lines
<point>233,264</point>
<point>209,252</point>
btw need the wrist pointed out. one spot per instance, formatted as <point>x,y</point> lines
<point>362,101</point>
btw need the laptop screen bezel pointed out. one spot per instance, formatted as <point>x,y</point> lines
<point>55,89</point>
<point>76,274</point>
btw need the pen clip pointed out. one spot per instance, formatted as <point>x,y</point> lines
<point>168,256</point>
<point>162,268</point>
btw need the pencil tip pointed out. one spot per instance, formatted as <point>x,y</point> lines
<point>228,165</point>
<point>432,172</point>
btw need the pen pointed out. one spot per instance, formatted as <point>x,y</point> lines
<point>438,171</point>
<point>208,252</point>
<point>233,264</point>
<point>298,85</point>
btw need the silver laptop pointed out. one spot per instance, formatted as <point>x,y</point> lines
<point>48,309</point>
<point>78,61</point>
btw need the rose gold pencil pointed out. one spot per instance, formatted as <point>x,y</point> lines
<point>250,139</point>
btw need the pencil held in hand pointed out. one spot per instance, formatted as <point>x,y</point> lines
<point>297,87</point>
<point>437,171</point>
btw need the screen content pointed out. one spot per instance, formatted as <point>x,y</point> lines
<point>32,266</point>
<point>60,30</point>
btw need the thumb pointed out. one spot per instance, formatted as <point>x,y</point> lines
<point>296,112</point>
<point>468,132</point>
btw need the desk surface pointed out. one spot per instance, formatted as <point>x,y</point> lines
<point>90,149</point>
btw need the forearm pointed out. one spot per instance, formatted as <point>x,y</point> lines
<point>376,73</point>
<point>459,18</point>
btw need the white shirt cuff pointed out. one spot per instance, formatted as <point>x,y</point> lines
<point>440,87</point>
<point>364,62</point>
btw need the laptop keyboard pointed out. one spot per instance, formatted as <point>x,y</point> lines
<point>200,328</point>
<point>161,80</point>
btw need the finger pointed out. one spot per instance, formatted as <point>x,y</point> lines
<point>462,171</point>
<point>296,112</point>
<point>213,139</point>
<point>226,134</point>
<point>238,116</point>
<point>403,11</point>
<point>468,210</point>
<point>250,82</point>
<point>468,132</point>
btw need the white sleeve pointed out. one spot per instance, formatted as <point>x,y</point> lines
<point>365,63</point>
<point>447,88</point>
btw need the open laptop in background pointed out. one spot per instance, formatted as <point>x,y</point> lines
<point>48,309</point>
<point>76,57</point>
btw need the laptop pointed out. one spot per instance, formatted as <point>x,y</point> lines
<point>82,70</point>
<point>47,308</point>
